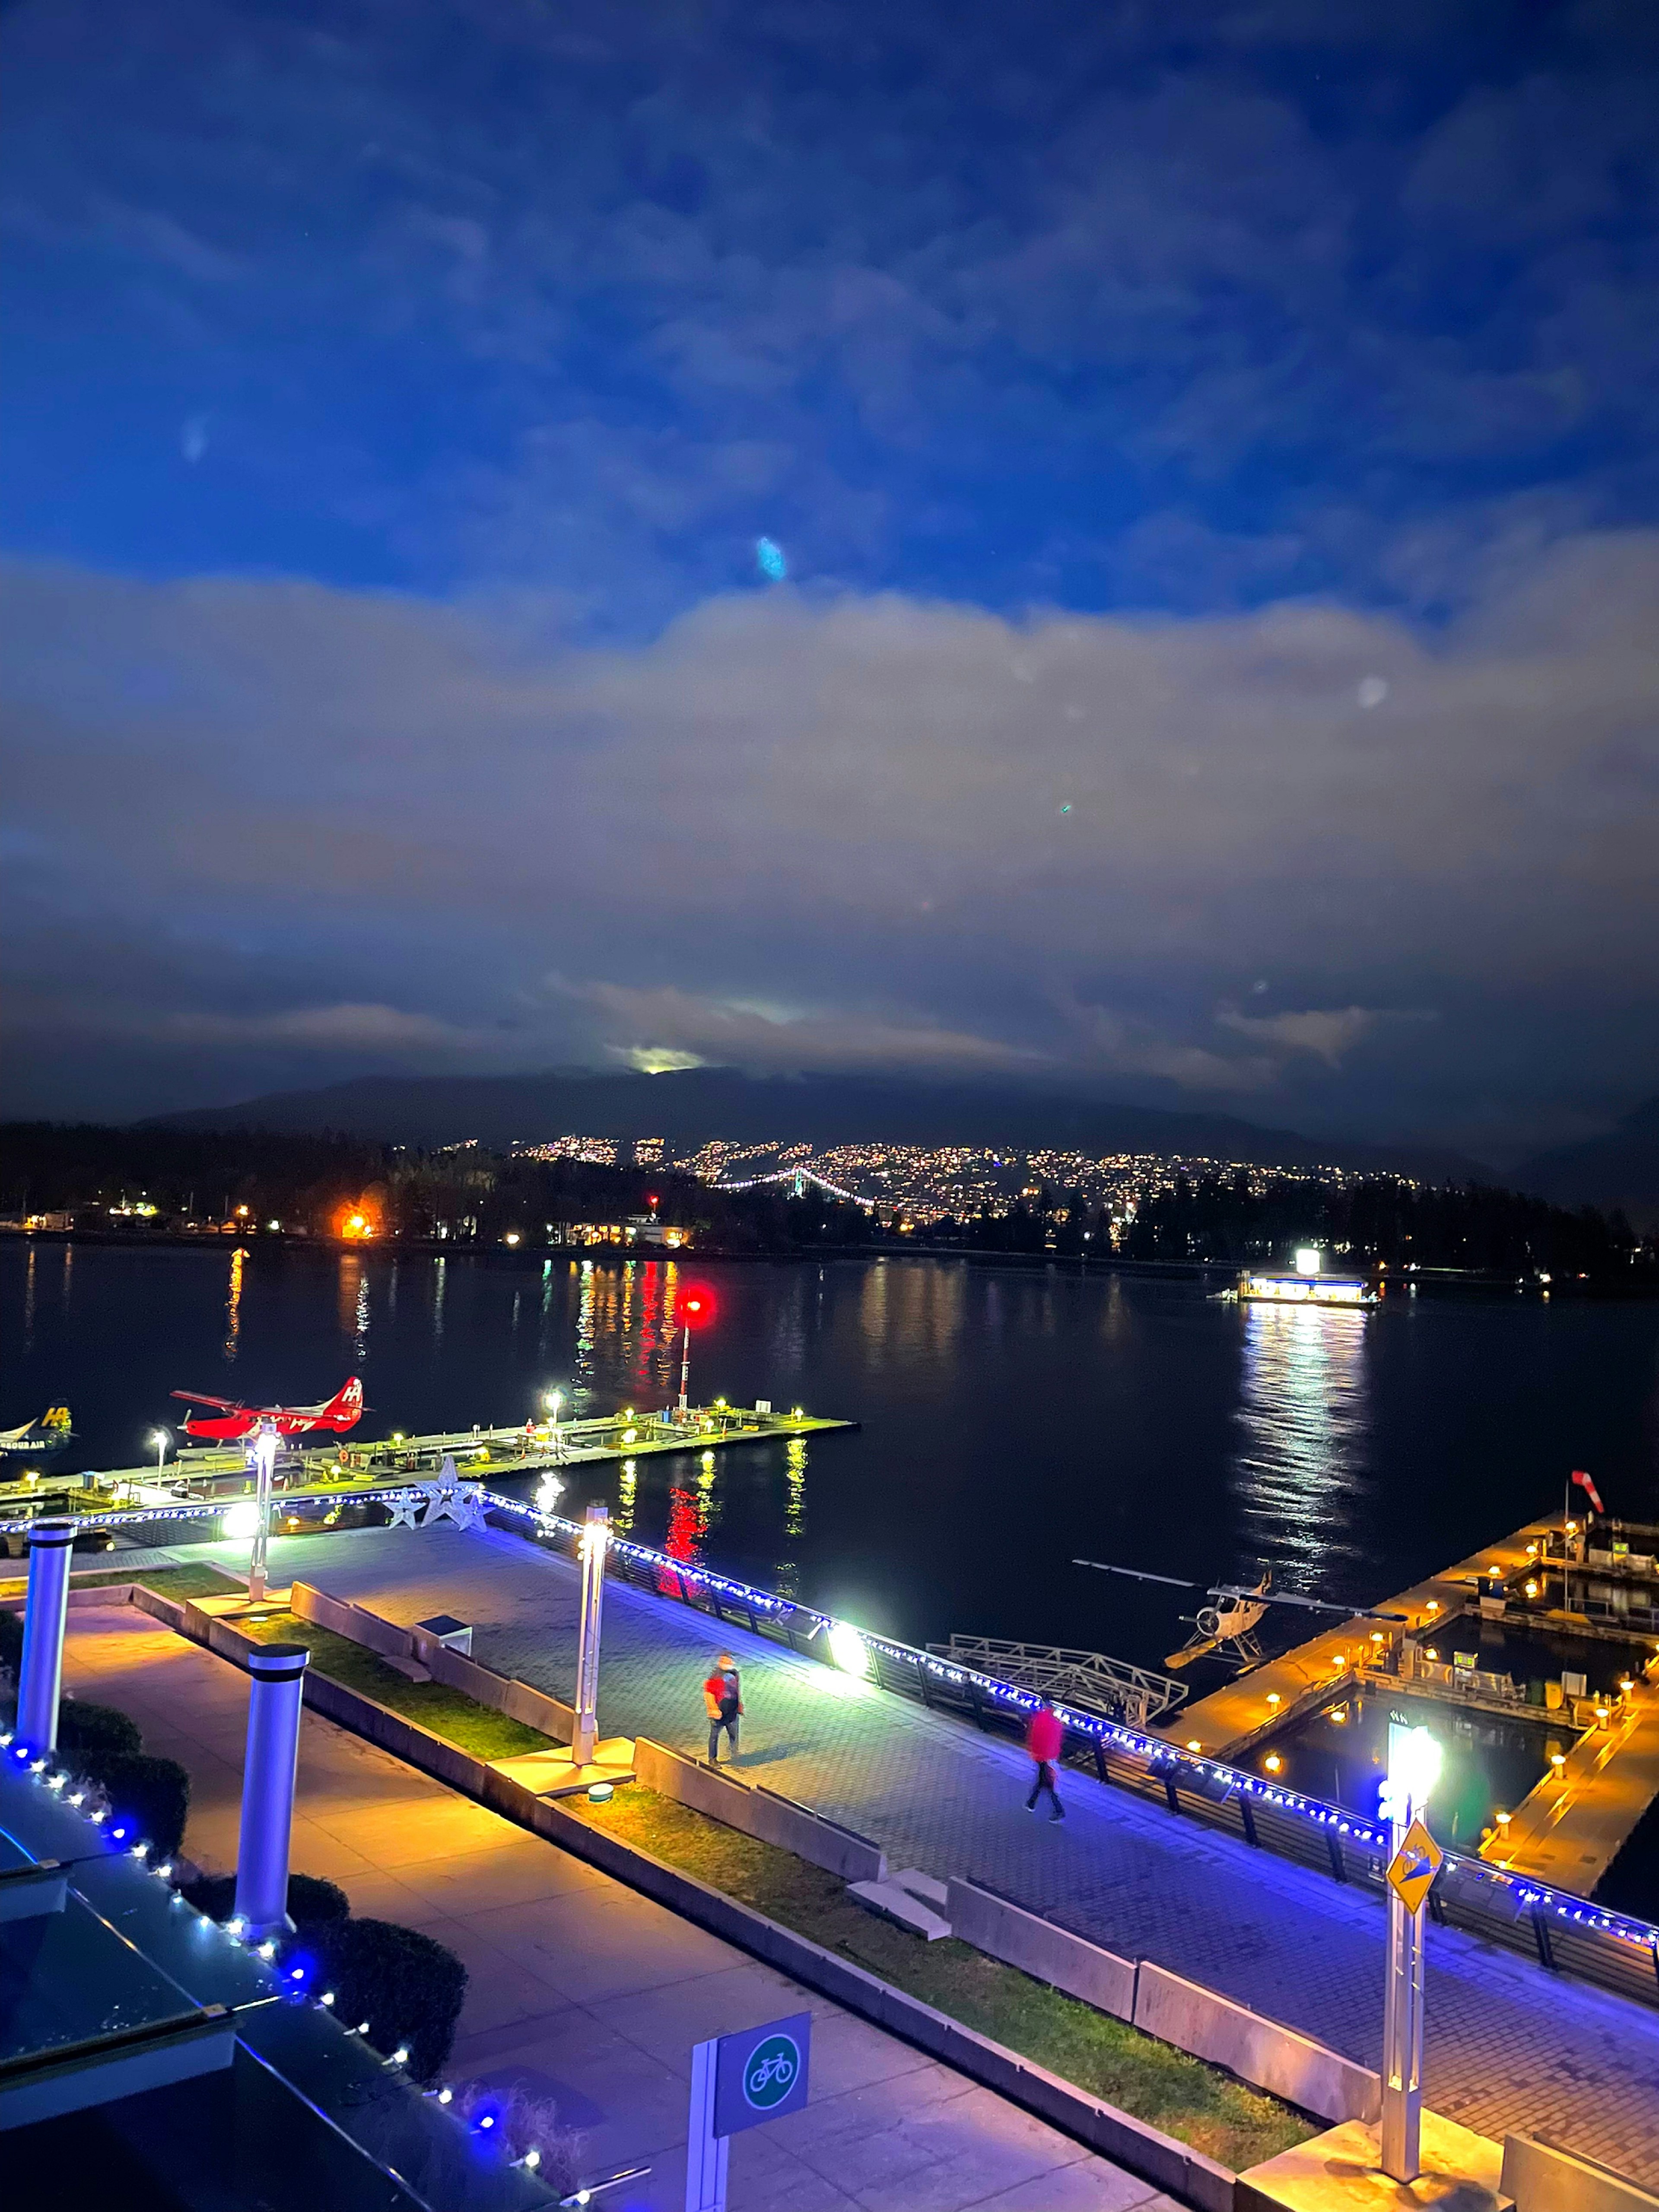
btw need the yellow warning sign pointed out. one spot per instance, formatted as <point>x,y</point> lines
<point>1413,1867</point>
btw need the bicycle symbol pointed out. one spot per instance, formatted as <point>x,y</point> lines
<point>770,2074</point>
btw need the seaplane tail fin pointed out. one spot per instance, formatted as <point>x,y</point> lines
<point>344,1409</point>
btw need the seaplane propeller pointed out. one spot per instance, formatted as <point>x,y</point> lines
<point>1234,1615</point>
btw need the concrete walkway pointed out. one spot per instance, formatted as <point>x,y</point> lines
<point>1508,2046</point>
<point>580,1990</point>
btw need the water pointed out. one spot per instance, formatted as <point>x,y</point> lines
<point>1011,1417</point>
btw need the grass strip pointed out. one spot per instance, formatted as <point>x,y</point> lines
<point>1194,2102</point>
<point>459,1720</point>
<point>166,1582</point>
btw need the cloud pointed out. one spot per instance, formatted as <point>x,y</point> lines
<point>685,1030</point>
<point>805,830</point>
<point>1328,1033</point>
<point>371,1032</point>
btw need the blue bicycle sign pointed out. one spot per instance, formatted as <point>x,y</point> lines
<point>762,2074</point>
<point>770,2074</point>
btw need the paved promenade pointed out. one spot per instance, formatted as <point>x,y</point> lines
<point>1508,2047</point>
<point>584,1991</point>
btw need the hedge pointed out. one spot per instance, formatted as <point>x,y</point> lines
<point>407,1988</point>
<point>312,1904</point>
<point>148,1796</point>
<point>83,1727</point>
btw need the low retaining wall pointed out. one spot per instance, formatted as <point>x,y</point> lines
<point>1259,2050</point>
<point>759,1812</point>
<point>1541,2178</point>
<point>502,1693</point>
<point>1172,2167</point>
<point>1037,1947</point>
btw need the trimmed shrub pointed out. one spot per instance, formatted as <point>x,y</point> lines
<point>312,1904</point>
<point>409,1988</point>
<point>149,1797</point>
<point>83,1727</point>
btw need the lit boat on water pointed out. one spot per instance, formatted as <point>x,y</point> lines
<point>1306,1284</point>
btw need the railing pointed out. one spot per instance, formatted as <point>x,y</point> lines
<point>1092,1679</point>
<point>1564,1933</point>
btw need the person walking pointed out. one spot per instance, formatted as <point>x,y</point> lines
<point>722,1698</point>
<point>1044,1740</point>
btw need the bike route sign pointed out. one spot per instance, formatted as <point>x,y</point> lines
<point>760,2075</point>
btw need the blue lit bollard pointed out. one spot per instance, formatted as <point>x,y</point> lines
<point>40,1672</point>
<point>277,1688</point>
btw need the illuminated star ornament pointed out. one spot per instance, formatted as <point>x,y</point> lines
<point>768,559</point>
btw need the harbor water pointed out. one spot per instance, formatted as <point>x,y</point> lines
<point>1012,1418</point>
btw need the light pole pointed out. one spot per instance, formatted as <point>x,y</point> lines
<point>553,1400</point>
<point>1413,1769</point>
<point>161,1438</point>
<point>265,1463</point>
<point>596,1535</point>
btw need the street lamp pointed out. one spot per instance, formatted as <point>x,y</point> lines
<point>1414,1770</point>
<point>553,1399</point>
<point>161,1438</point>
<point>264,1455</point>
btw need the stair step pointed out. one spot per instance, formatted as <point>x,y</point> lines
<point>892,1903</point>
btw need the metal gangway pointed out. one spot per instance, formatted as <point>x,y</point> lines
<point>1090,1680</point>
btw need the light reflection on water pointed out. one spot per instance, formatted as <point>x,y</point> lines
<point>1014,1419</point>
<point>1304,1416</point>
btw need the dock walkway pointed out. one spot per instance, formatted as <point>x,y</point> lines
<point>1508,2046</point>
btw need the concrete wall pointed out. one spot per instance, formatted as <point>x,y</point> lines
<point>1258,2051</point>
<point>501,1694</point>
<point>1048,1953</point>
<point>759,1812</point>
<point>1173,2166</point>
<point>1542,2179</point>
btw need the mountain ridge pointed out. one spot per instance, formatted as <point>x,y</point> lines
<point>692,1105</point>
<point>1620,1169</point>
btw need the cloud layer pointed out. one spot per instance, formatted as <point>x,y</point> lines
<point>262,832</point>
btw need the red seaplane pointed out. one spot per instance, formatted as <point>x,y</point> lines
<point>231,1418</point>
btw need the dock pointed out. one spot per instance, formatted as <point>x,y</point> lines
<point>338,1470</point>
<point>1569,1828</point>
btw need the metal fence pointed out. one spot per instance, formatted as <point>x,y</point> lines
<point>1564,1933</point>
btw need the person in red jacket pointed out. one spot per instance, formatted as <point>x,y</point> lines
<point>722,1700</point>
<point>1044,1740</point>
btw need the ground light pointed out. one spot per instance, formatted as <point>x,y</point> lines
<point>847,1649</point>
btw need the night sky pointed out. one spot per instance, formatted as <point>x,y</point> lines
<point>1111,545</point>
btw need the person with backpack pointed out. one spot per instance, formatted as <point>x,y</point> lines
<point>1045,1739</point>
<point>722,1699</point>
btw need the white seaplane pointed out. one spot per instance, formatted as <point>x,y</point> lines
<point>1227,1625</point>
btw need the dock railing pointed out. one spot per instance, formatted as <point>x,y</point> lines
<point>1564,1933</point>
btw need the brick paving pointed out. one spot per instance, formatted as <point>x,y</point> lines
<point>1508,2047</point>
<point>582,1990</point>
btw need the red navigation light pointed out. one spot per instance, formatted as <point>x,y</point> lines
<point>695,1306</point>
<point>651,1199</point>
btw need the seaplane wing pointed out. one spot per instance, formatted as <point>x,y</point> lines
<point>225,1419</point>
<point>38,1437</point>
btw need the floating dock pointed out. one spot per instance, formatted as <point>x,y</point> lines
<point>340,1469</point>
<point>1569,1829</point>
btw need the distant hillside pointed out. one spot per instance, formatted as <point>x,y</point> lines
<point>697,1104</point>
<point>1619,1170</point>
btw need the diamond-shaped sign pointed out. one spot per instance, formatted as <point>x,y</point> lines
<point>1413,1867</point>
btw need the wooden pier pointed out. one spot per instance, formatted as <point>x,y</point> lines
<point>339,1469</point>
<point>1568,1830</point>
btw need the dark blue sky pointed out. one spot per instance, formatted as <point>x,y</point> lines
<point>397,396</point>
